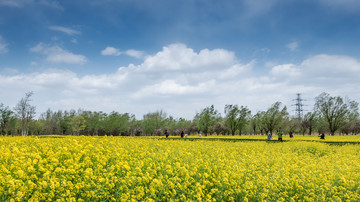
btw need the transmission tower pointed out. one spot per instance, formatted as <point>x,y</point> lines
<point>298,106</point>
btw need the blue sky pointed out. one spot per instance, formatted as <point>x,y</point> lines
<point>179,56</point>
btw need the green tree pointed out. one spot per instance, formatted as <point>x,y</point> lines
<point>272,119</point>
<point>207,119</point>
<point>308,123</point>
<point>94,122</point>
<point>51,121</point>
<point>64,124</point>
<point>243,118</point>
<point>351,117</point>
<point>152,121</point>
<point>116,124</point>
<point>77,124</point>
<point>36,127</point>
<point>5,118</point>
<point>231,115</point>
<point>333,110</point>
<point>255,123</point>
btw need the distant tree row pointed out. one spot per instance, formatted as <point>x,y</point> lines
<point>333,115</point>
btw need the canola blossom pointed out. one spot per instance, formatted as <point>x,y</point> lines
<point>60,168</point>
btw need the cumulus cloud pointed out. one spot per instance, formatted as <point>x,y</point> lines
<point>56,54</point>
<point>116,52</point>
<point>236,70</point>
<point>3,46</point>
<point>172,87</point>
<point>111,51</point>
<point>181,81</point>
<point>332,66</point>
<point>178,56</point>
<point>66,30</point>
<point>292,46</point>
<point>285,71</point>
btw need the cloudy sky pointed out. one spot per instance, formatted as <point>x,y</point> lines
<point>179,56</point>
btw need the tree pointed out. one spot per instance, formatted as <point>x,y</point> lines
<point>77,124</point>
<point>94,122</point>
<point>138,131</point>
<point>153,121</point>
<point>36,127</point>
<point>231,114</point>
<point>333,110</point>
<point>220,129</point>
<point>351,117</point>
<point>308,123</point>
<point>51,121</point>
<point>273,117</point>
<point>260,120</point>
<point>207,119</point>
<point>291,124</point>
<point>64,124</point>
<point>5,117</point>
<point>116,124</point>
<point>25,112</point>
<point>243,118</point>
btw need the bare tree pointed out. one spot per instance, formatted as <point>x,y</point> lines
<point>25,112</point>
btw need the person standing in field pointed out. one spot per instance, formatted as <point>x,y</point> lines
<point>322,136</point>
<point>182,134</point>
<point>280,134</point>
<point>269,136</point>
<point>166,133</point>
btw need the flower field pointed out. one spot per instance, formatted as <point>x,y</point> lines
<point>155,169</point>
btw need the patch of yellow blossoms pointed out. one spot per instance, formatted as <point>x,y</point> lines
<point>152,169</point>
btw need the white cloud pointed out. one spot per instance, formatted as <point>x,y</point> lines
<point>111,51</point>
<point>181,81</point>
<point>66,30</point>
<point>285,71</point>
<point>236,70</point>
<point>56,54</point>
<point>171,87</point>
<point>332,65</point>
<point>178,57</point>
<point>3,46</point>
<point>135,53</point>
<point>116,52</point>
<point>293,45</point>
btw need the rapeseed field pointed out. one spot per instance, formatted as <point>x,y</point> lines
<point>60,168</point>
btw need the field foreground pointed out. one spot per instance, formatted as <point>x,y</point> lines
<point>148,169</point>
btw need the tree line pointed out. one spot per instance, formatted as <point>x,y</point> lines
<point>331,114</point>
